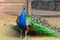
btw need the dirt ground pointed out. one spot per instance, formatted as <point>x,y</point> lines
<point>7,33</point>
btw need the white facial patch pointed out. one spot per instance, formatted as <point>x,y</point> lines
<point>27,23</point>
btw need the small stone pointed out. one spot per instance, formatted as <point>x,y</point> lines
<point>45,5</point>
<point>57,0</point>
<point>58,6</point>
<point>51,6</point>
<point>4,24</point>
<point>39,5</point>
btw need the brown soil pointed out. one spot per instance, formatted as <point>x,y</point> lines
<point>6,33</point>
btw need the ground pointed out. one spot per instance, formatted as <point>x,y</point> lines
<point>7,33</point>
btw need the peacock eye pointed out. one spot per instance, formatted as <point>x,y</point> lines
<point>34,20</point>
<point>38,20</point>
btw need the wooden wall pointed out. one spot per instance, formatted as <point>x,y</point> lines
<point>11,6</point>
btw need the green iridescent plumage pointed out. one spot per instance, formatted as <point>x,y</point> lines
<point>40,24</point>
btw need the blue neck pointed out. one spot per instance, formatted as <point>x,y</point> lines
<point>22,18</point>
<point>23,13</point>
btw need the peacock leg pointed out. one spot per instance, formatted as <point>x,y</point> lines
<point>21,34</point>
<point>26,32</point>
<point>26,36</point>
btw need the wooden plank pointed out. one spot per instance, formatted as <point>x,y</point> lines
<point>21,3</point>
<point>45,13</point>
<point>29,7</point>
<point>11,8</point>
<point>12,0</point>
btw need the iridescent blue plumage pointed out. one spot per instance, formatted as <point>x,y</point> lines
<point>22,19</point>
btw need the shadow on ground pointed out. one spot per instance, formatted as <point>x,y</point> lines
<point>32,32</point>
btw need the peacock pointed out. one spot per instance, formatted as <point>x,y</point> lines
<point>24,23</point>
